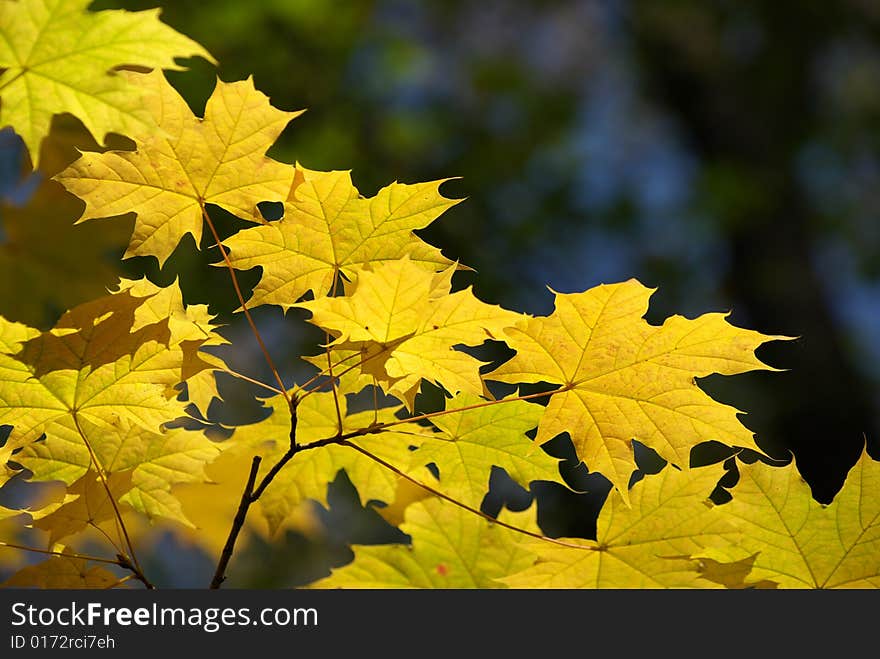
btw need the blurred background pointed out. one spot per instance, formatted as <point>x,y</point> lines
<point>727,153</point>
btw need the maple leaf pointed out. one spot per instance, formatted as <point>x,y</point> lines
<point>14,374</point>
<point>796,541</point>
<point>155,461</point>
<point>651,544</point>
<point>172,175</point>
<point>472,441</point>
<point>328,229</point>
<point>100,385</point>
<point>623,379</point>
<point>61,571</point>
<point>409,491</point>
<point>405,323</point>
<point>88,502</point>
<point>451,548</point>
<point>58,58</point>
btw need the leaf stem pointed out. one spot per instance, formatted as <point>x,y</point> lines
<point>84,557</point>
<point>325,373</point>
<point>456,502</point>
<point>247,313</point>
<point>133,563</point>
<point>475,406</point>
<point>242,376</point>
<point>127,577</point>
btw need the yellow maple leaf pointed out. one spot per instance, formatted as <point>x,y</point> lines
<point>451,548</point>
<point>654,543</point>
<point>623,379</point>
<point>157,462</point>
<point>58,58</point>
<point>796,541</point>
<point>13,373</point>
<point>329,229</point>
<point>409,491</point>
<point>471,441</point>
<point>172,175</point>
<point>59,572</point>
<point>405,323</point>
<point>87,503</point>
<point>99,386</point>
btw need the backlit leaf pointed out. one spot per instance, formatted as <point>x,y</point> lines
<point>100,386</point>
<point>471,441</point>
<point>328,229</point>
<point>406,323</point>
<point>451,548</point>
<point>168,179</point>
<point>652,544</point>
<point>798,542</point>
<point>61,58</point>
<point>89,504</point>
<point>622,379</point>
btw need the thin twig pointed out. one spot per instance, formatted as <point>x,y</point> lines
<point>127,577</point>
<point>242,376</point>
<point>241,301</point>
<point>97,559</point>
<point>292,450</point>
<point>252,492</point>
<point>453,501</point>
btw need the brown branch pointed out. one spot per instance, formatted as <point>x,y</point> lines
<point>292,449</point>
<point>136,571</point>
<point>237,524</point>
<point>251,494</point>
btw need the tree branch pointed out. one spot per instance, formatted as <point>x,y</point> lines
<point>251,495</point>
<point>237,523</point>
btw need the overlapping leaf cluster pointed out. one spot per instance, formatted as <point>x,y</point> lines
<point>106,401</point>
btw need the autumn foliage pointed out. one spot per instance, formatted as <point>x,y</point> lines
<point>102,403</point>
